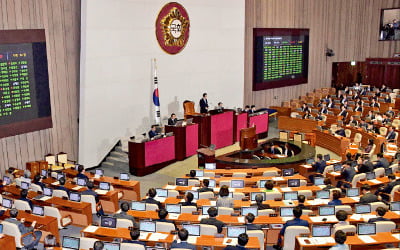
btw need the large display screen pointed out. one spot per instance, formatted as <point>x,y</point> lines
<point>24,82</point>
<point>280,57</point>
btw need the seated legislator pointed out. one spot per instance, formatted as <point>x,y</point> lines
<point>37,179</point>
<point>192,175</point>
<point>382,162</point>
<point>153,131</point>
<point>307,114</point>
<point>249,219</point>
<point>304,107</point>
<point>81,173</point>
<point>224,200</point>
<point>380,211</point>
<point>150,199</point>
<point>246,109</point>
<point>188,200</point>
<point>301,199</point>
<point>29,241</point>
<point>369,146</point>
<point>124,214</point>
<point>98,245</point>
<point>347,173</point>
<point>252,109</point>
<point>328,184</point>
<point>204,104</point>
<point>364,164</point>
<point>162,214</point>
<point>183,235</point>
<point>135,233</point>
<point>259,202</point>
<point>89,191</point>
<point>62,181</point>
<point>320,165</point>
<point>367,196</point>
<point>391,134</point>
<point>24,194</point>
<point>286,150</point>
<point>341,216</point>
<point>343,111</point>
<point>335,198</point>
<point>297,212</point>
<point>386,190</point>
<point>211,220</point>
<point>243,238</point>
<point>340,239</point>
<point>220,107</point>
<point>172,120</point>
<point>204,186</point>
<point>269,186</point>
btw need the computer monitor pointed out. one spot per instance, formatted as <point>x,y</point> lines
<point>326,210</point>
<point>323,194</point>
<point>337,167</point>
<point>318,181</point>
<point>395,206</point>
<point>321,231</point>
<point>38,210</point>
<point>107,221</point>
<point>262,183</point>
<point>182,181</point>
<point>293,183</point>
<point>43,172</point>
<point>210,166</point>
<point>124,177</point>
<point>199,173</point>
<point>112,246</point>
<point>147,226</point>
<point>195,194</point>
<point>370,175</point>
<point>24,185</point>
<point>366,228</point>
<point>47,191</point>
<point>388,171</point>
<point>235,231</point>
<point>81,181</point>
<point>310,161</point>
<point>211,183</point>
<point>138,206</point>
<point>352,192</point>
<point>237,183</point>
<point>99,172</point>
<point>189,121</point>
<point>60,175</point>
<point>7,203</point>
<point>193,229</point>
<point>104,186</point>
<point>75,197</point>
<point>290,195</point>
<point>286,211</point>
<point>6,180</point>
<point>71,243</point>
<point>204,210</point>
<point>362,208</point>
<point>246,210</point>
<point>287,172</point>
<point>162,192</point>
<point>327,157</point>
<point>174,208</point>
<point>253,195</point>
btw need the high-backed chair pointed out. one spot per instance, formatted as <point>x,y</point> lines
<point>151,207</point>
<point>90,199</point>
<point>265,212</point>
<point>239,174</point>
<point>62,158</point>
<point>270,173</point>
<point>357,139</point>
<point>59,193</point>
<point>164,227</point>
<point>51,159</point>
<point>87,243</point>
<point>192,182</point>
<point>346,208</point>
<point>188,209</point>
<point>394,167</point>
<point>379,172</point>
<point>35,187</point>
<point>124,223</point>
<point>62,221</point>
<point>273,195</point>
<point>172,193</point>
<point>12,229</point>
<point>306,193</point>
<point>225,211</point>
<point>375,205</point>
<point>260,236</point>
<point>395,188</point>
<point>238,196</point>
<point>206,195</point>
<point>188,108</point>
<point>22,205</point>
<point>385,226</point>
<point>130,246</point>
<point>357,178</point>
<point>208,229</point>
<point>383,131</point>
<point>327,170</point>
<point>346,229</point>
<point>347,132</point>
<point>290,236</point>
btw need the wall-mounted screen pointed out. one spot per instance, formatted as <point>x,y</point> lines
<point>280,57</point>
<point>390,25</point>
<point>24,82</point>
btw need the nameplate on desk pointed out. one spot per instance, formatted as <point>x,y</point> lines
<point>76,188</point>
<point>241,219</point>
<point>306,166</point>
<point>45,198</point>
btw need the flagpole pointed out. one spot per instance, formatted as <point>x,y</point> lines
<point>156,98</point>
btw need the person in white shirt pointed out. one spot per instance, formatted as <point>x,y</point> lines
<point>340,238</point>
<point>341,216</point>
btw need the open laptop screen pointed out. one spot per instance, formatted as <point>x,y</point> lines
<point>362,208</point>
<point>162,192</point>
<point>124,176</point>
<point>210,166</point>
<point>7,203</point>
<point>286,211</point>
<point>107,221</point>
<point>323,194</point>
<point>321,230</point>
<point>48,191</point>
<point>288,172</point>
<point>290,195</point>
<point>111,246</point>
<point>173,208</point>
<point>253,195</point>
<point>352,192</point>
<point>366,228</point>
<point>147,226</point>
<point>75,197</point>
<point>318,181</point>
<point>99,172</point>
<point>38,210</point>
<point>235,231</point>
<point>104,186</point>
<point>293,183</point>
<point>395,206</point>
<point>70,243</point>
<point>246,210</point>
<point>182,181</point>
<point>326,210</point>
<point>138,206</point>
<point>193,230</point>
<point>6,180</point>
<point>81,182</point>
<point>199,173</point>
<point>237,183</point>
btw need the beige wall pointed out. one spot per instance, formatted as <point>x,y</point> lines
<point>349,27</point>
<point>61,20</point>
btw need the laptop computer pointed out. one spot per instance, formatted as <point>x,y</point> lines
<point>290,195</point>
<point>318,181</point>
<point>246,210</point>
<point>352,192</point>
<point>104,186</point>
<point>43,173</point>
<point>293,183</point>
<point>204,210</point>
<point>326,210</point>
<point>288,172</point>
<point>235,231</point>
<point>262,183</point>
<point>362,208</point>
<point>1,228</point>
<point>72,243</point>
<point>366,228</point>
<point>60,175</point>
<point>337,167</point>
<point>107,221</point>
<point>7,203</point>
<point>210,166</point>
<point>395,206</point>
<point>99,172</point>
<point>286,211</point>
<point>321,230</point>
<point>211,183</point>
<point>388,171</point>
<point>253,195</point>
<point>327,157</point>
<point>199,173</point>
<point>124,177</point>
<point>25,185</point>
<point>138,206</point>
<point>237,183</point>
<point>181,182</point>
<point>38,210</point>
<point>323,194</point>
<point>193,229</point>
<point>81,181</point>
<point>147,226</point>
<point>46,192</point>
<point>6,180</point>
<point>162,192</point>
<point>112,246</point>
<point>370,175</point>
<point>174,208</point>
<point>75,197</point>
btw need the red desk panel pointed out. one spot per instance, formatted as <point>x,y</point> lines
<point>261,123</point>
<point>240,121</point>
<point>222,129</point>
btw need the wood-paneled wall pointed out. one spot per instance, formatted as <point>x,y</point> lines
<point>349,27</point>
<point>61,20</point>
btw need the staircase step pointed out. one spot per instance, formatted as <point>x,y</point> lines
<point>116,160</point>
<point>119,149</point>
<point>106,164</point>
<point>119,154</point>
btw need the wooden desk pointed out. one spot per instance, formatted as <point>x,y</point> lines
<point>336,144</point>
<point>378,139</point>
<point>301,125</point>
<point>7,242</point>
<point>186,140</point>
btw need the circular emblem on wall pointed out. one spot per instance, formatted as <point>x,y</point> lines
<point>172,28</point>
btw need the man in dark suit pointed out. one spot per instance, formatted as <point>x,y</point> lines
<point>364,165</point>
<point>324,109</point>
<point>204,104</point>
<point>37,179</point>
<point>390,112</point>
<point>124,214</point>
<point>382,162</point>
<point>212,213</point>
<point>61,181</point>
<point>347,174</point>
<point>391,135</point>
<point>204,186</point>
<point>380,211</point>
<point>384,191</point>
<point>320,165</point>
<point>367,196</point>
<point>243,238</point>
<point>153,131</point>
<point>183,235</point>
<point>189,200</point>
<point>249,218</point>
<point>24,194</point>
<point>172,120</point>
<point>81,173</point>
<point>162,214</point>
<point>89,191</point>
<point>135,233</point>
<point>150,199</point>
<point>343,111</point>
<point>297,212</point>
<point>286,150</point>
<point>29,241</point>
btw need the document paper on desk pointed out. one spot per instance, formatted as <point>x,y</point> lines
<point>143,235</point>
<point>317,240</point>
<point>397,236</point>
<point>90,229</point>
<point>366,239</point>
<point>170,187</point>
<point>45,198</point>
<point>173,216</point>
<point>76,188</point>
<point>286,189</point>
<point>233,241</point>
<point>375,181</point>
<point>157,236</point>
<point>56,183</point>
<point>306,166</point>
<point>240,219</point>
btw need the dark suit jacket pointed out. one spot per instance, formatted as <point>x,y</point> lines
<point>213,221</point>
<point>205,189</point>
<point>343,113</point>
<point>288,153</point>
<point>382,163</point>
<point>135,242</point>
<point>368,198</point>
<point>172,121</point>
<point>152,134</point>
<point>391,135</point>
<point>348,174</point>
<point>237,247</point>
<point>182,244</point>
<point>27,200</point>
<point>253,227</point>
<point>388,188</point>
<point>263,206</point>
<point>294,222</point>
<point>126,216</point>
<point>372,220</point>
<point>320,166</point>
<point>203,105</point>
<point>152,201</point>
<point>186,203</point>
<point>63,188</point>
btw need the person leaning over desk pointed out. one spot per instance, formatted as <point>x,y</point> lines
<point>172,120</point>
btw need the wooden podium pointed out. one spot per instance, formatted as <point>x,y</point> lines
<point>205,155</point>
<point>248,138</point>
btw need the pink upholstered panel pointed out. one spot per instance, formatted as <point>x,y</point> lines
<point>159,151</point>
<point>241,122</point>
<point>192,139</point>
<point>261,122</point>
<point>222,129</point>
